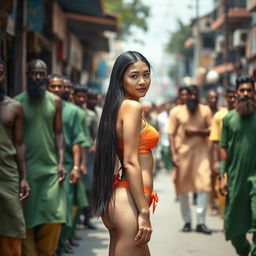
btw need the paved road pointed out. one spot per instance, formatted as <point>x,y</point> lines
<point>167,239</point>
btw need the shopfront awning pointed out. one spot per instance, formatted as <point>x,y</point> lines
<point>86,7</point>
<point>88,20</point>
<point>92,23</point>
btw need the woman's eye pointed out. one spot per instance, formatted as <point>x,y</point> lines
<point>134,76</point>
<point>147,75</point>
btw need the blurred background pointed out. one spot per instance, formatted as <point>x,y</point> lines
<point>208,43</point>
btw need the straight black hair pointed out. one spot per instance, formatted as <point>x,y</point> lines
<point>192,88</point>
<point>244,79</point>
<point>80,88</point>
<point>107,144</point>
<point>53,75</point>
<point>182,88</point>
<point>230,89</point>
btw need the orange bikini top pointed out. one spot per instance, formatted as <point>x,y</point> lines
<point>148,140</point>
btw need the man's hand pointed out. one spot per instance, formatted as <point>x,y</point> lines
<point>190,131</point>
<point>74,176</point>
<point>92,149</point>
<point>83,169</point>
<point>223,188</point>
<point>175,160</point>
<point>24,190</point>
<point>61,172</point>
<point>215,168</point>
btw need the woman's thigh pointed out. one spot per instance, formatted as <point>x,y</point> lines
<point>122,222</point>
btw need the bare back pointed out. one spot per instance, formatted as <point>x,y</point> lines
<point>133,122</point>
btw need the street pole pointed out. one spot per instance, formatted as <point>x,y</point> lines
<point>226,44</point>
<point>198,43</point>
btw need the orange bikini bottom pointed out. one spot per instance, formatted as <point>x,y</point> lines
<point>153,198</point>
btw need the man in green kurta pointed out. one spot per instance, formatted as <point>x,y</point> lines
<point>74,136</point>
<point>84,147</point>
<point>239,162</point>
<point>45,210</point>
<point>12,161</point>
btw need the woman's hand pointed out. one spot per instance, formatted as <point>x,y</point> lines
<point>145,229</point>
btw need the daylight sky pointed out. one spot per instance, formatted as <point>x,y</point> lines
<point>162,22</point>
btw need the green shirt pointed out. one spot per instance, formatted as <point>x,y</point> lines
<point>72,131</point>
<point>239,137</point>
<point>47,200</point>
<point>11,214</point>
<point>82,115</point>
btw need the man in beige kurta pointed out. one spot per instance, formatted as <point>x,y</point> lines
<point>189,131</point>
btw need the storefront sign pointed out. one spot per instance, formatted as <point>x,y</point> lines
<point>35,15</point>
<point>76,53</point>
<point>59,22</point>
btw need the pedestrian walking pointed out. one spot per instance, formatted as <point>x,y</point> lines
<point>215,137</point>
<point>189,130</point>
<point>93,122</point>
<point>162,121</point>
<point>13,176</point>
<point>45,209</point>
<point>238,161</point>
<point>122,198</point>
<point>212,102</point>
<point>73,136</point>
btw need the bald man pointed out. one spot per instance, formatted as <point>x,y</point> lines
<point>45,210</point>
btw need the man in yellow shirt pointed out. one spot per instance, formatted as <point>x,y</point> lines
<point>215,137</point>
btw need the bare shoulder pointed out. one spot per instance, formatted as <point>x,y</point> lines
<point>14,103</point>
<point>205,109</point>
<point>176,110</point>
<point>131,105</point>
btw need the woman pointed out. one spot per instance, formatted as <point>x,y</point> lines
<point>122,196</point>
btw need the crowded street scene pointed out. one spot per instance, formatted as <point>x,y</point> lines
<point>127,128</point>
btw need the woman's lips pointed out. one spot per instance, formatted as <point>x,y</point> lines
<point>141,89</point>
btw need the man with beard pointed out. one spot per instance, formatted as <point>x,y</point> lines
<point>73,135</point>
<point>188,130</point>
<point>239,162</point>
<point>45,209</point>
<point>12,161</point>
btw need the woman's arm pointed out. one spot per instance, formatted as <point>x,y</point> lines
<point>131,115</point>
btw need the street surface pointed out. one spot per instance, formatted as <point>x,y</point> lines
<point>167,239</point>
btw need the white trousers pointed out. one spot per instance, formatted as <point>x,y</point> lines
<point>201,207</point>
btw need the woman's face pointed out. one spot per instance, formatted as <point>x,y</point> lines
<point>136,80</point>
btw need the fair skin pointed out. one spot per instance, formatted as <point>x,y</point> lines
<point>243,90</point>
<point>128,217</point>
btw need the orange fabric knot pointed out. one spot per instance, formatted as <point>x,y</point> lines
<point>153,201</point>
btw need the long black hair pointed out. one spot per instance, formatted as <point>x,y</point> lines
<point>107,144</point>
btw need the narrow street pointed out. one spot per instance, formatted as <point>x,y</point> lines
<point>167,239</point>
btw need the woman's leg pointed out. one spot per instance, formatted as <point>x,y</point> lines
<point>122,223</point>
